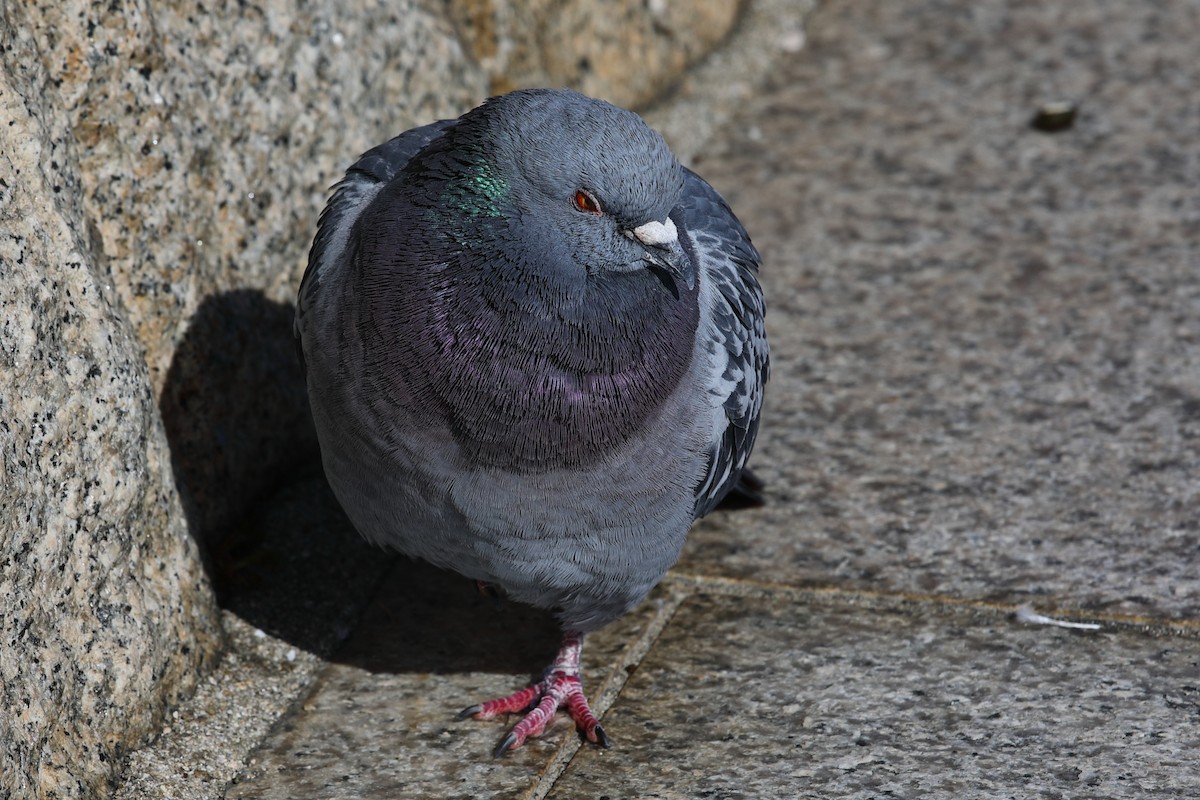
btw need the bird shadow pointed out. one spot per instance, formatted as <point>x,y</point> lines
<point>235,412</point>
<point>301,573</point>
<point>423,619</point>
<point>279,552</point>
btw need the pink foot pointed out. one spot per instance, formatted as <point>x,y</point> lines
<point>560,688</point>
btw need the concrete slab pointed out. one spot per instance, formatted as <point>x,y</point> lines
<point>294,580</point>
<point>770,696</point>
<point>985,338</point>
<point>380,720</point>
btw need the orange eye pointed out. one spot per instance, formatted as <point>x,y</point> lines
<point>586,202</point>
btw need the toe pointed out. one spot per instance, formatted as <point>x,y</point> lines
<point>514,703</point>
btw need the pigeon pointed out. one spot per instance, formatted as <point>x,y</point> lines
<point>535,353</point>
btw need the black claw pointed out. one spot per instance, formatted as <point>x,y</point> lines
<point>505,745</point>
<point>468,712</point>
<point>602,737</point>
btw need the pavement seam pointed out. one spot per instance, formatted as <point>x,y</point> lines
<point>901,602</point>
<point>610,688</point>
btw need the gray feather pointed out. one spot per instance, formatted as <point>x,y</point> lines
<point>735,338</point>
<point>363,180</point>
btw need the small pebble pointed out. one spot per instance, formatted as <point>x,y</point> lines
<point>792,42</point>
<point>1054,117</point>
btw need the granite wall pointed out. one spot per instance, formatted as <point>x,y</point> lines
<point>162,166</point>
<point>626,51</point>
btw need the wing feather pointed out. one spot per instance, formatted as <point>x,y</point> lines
<point>733,338</point>
<point>362,182</point>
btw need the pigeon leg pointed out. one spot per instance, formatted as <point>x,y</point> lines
<point>560,688</point>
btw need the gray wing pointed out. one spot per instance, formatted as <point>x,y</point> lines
<point>733,338</point>
<point>351,195</point>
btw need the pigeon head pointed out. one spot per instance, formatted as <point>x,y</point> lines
<point>590,182</point>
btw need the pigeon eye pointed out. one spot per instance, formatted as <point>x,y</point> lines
<point>586,202</point>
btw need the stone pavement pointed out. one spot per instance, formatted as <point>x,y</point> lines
<point>986,395</point>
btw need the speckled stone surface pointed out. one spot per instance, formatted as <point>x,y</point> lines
<point>750,697</point>
<point>626,51</point>
<point>106,616</point>
<point>986,339</point>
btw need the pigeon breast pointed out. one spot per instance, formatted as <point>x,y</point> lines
<point>496,331</point>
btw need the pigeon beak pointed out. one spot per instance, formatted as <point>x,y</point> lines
<point>655,233</point>
<point>665,257</point>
